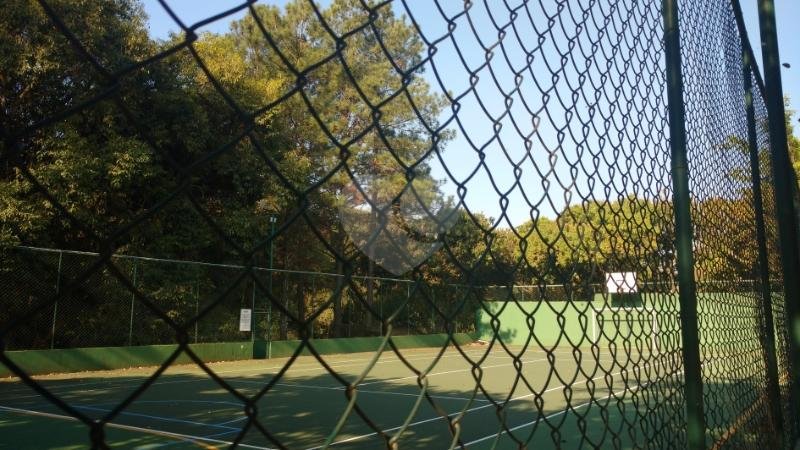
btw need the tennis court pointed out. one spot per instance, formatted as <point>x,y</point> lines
<point>572,396</point>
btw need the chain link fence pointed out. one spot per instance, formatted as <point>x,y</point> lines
<point>182,288</point>
<point>503,157</point>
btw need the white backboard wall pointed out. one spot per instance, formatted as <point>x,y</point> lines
<point>621,283</point>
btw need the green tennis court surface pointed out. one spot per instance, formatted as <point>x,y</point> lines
<point>185,408</point>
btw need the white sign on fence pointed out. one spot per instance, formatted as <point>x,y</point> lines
<point>621,282</point>
<point>245,318</point>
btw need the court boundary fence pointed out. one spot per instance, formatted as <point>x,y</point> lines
<point>261,310</point>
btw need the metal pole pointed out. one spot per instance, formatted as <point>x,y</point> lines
<point>452,319</point>
<point>253,313</point>
<point>693,387</point>
<point>433,311</point>
<point>196,307</point>
<point>241,306</point>
<point>408,308</point>
<point>783,181</point>
<point>272,220</point>
<point>768,333</point>
<point>55,304</point>
<point>313,295</point>
<point>133,302</point>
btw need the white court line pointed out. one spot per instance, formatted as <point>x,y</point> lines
<point>112,384</point>
<point>298,361</point>
<point>341,388</point>
<point>344,363</point>
<point>319,367</point>
<point>564,411</point>
<point>361,391</point>
<point>549,416</point>
<point>433,419</point>
<point>511,400</point>
<point>169,434</point>
<point>149,416</point>
<point>190,437</point>
<point>448,372</point>
<point>558,413</point>
<point>302,364</point>
<point>482,367</point>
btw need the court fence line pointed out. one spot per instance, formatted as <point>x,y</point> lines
<point>521,292</point>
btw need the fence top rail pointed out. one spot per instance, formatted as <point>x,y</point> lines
<point>745,39</point>
<point>202,263</point>
<point>598,286</point>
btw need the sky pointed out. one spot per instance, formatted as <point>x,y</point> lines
<point>530,197</point>
<point>788,17</point>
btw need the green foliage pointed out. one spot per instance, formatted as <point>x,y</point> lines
<point>106,172</point>
<point>592,238</point>
<point>93,160</point>
<point>793,140</point>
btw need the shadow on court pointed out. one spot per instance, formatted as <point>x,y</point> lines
<point>606,407</point>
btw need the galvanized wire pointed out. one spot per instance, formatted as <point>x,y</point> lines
<point>775,276</point>
<point>558,110</point>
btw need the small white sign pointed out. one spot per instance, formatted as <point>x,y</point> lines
<point>621,283</point>
<point>245,318</point>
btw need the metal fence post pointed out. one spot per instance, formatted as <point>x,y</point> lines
<point>269,328</point>
<point>272,221</point>
<point>773,391</point>
<point>785,191</point>
<point>133,303</point>
<point>55,304</point>
<point>253,319</point>
<point>408,308</point>
<point>693,387</point>
<point>313,297</point>
<point>196,308</point>
<point>433,311</point>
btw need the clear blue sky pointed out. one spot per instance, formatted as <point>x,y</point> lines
<point>459,157</point>
<point>788,16</point>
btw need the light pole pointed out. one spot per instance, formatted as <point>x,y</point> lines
<point>262,345</point>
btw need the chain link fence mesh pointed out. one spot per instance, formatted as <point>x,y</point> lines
<point>312,128</point>
<point>731,321</point>
<point>774,279</point>
<point>182,288</point>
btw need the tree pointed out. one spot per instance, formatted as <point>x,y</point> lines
<point>92,159</point>
<point>109,163</point>
<point>792,140</point>
<point>589,239</point>
<point>354,107</point>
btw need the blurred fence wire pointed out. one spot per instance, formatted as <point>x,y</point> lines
<point>431,166</point>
